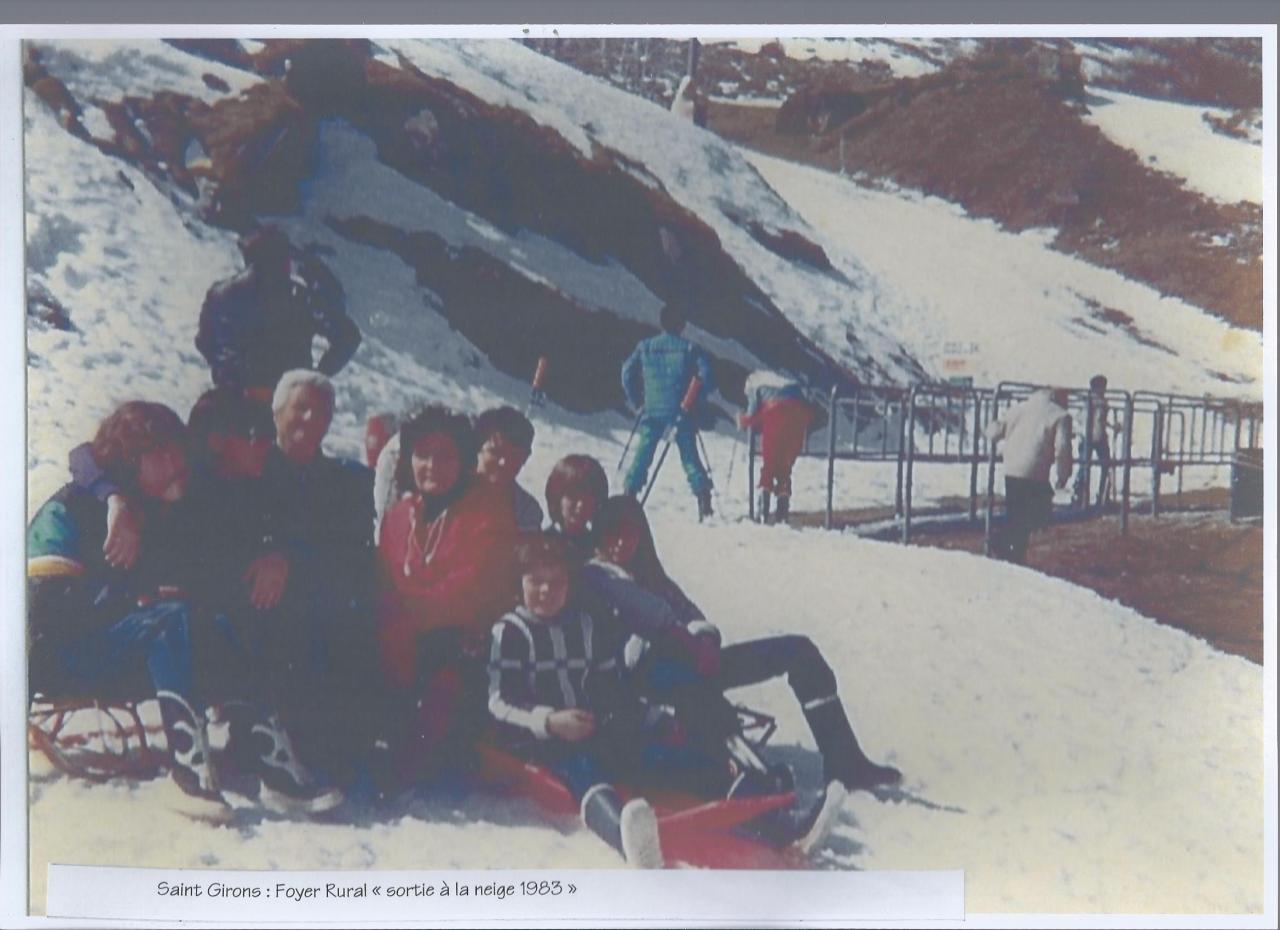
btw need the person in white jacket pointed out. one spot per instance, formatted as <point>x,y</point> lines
<point>1035,434</point>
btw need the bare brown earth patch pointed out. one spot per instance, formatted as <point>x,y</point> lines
<point>1190,569</point>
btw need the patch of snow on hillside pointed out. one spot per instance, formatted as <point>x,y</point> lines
<point>700,171</point>
<point>1173,137</point>
<point>964,281</point>
<point>109,70</point>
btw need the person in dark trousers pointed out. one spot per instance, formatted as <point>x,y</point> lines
<point>223,534</point>
<point>325,645</point>
<point>655,378</point>
<point>1035,434</point>
<point>261,323</point>
<point>680,661</point>
<point>106,632</point>
<point>1099,440</point>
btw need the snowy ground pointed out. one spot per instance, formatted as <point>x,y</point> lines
<point>1174,137</point>
<point>1065,752</point>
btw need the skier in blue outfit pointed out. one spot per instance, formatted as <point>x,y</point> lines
<point>663,366</point>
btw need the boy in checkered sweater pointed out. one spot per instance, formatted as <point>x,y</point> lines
<point>555,687</point>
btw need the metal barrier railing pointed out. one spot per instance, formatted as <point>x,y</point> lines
<point>945,424</point>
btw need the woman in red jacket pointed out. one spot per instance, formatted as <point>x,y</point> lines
<point>446,553</point>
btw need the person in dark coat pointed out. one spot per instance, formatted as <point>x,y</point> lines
<point>655,378</point>
<point>325,643</point>
<point>261,323</point>
<point>219,538</point>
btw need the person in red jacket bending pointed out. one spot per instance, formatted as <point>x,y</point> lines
<point>776,406</point>
<point>447,566</point>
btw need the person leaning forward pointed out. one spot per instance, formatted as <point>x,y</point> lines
<point>1035,434</point>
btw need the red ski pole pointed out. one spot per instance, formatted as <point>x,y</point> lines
<point>537,396</point>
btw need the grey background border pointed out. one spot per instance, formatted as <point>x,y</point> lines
<point>393,12</point>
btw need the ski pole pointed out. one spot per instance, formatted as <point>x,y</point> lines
<point>537,396</point>
<point>706,459</point>
<point>627,447</point>
<point>669,434</point>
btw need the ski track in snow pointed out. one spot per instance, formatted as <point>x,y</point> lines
<point>1067,753</point>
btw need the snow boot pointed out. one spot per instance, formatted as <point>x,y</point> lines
<point>704,504</point>
<point>260,754</point>
<point>782,510</point>
<point>198,796</point>
<point>631,829</point>
<point>762,510</point>
<point>842,757</point>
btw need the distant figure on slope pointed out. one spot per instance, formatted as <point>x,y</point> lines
<point>663,366</point>
<point>687,103</point>
<point>1099,443</point>
<point>1035,433</point>
<point>776,406</point>
<point>261,323</point>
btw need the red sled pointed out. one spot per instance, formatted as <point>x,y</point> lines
<point>695,832</point>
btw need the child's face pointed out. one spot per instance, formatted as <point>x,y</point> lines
<point>162,473</point>
<point>576,510</point>
<point>545,590</point>
<point>500,459</point>
<point>436,464</point>
<point>619,545</point>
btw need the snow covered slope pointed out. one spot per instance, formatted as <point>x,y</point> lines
<point>1009,306</point>
<point>1175,137</point>
<point>1068,754</point>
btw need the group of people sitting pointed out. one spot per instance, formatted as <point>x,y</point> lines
<point>316,632</point>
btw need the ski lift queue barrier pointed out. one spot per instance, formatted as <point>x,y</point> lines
<point>936,423</point>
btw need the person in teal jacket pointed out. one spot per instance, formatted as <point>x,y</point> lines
<point>654,378</point>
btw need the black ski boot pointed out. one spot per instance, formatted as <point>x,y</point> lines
<point>260,754</point>
<point>763,509</point>
<point>199,796</point>
<point>704,504</point>
<point>631,829</point>
<point>842,757</point>
<point>783,510</point>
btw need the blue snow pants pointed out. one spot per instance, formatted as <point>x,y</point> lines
<point>647,438</point>
<point>149,647</point>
